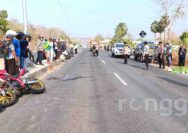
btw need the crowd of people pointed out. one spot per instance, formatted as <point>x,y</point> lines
<point>16,51</point>
<point>164,55</point>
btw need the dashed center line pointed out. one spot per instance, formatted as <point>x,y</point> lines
<point>103,62</point>
<point>120,79</point>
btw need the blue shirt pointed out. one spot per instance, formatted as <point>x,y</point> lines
<point>16,43</point>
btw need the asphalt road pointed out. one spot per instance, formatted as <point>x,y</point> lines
<point>86,94</point>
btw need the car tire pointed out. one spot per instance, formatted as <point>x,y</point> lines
<point>112,54</point>
<point>135,57</point>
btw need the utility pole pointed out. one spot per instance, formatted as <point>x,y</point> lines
<point>24,10</point>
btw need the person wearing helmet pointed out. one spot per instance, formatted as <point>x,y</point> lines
<point>10,54</point>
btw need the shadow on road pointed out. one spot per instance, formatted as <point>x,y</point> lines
<point>120,62</point>
<point>71,78</point>
<point>2,109</point>
<point>139,67</point>
<point>173,81</point>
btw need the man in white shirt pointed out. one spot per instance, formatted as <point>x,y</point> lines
<point>146,54</point>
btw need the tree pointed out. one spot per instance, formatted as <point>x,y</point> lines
<point>164,23</point>
<point>175,9</point>
<point>99,38</point>
<point>160,29</point>
<point>3,21</point>
<point>113,40</point>
<point>154,28</point>
<point>120,31</point>
<point>184,38</point>
<point>3,14</point>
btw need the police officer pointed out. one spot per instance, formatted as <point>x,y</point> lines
<point>146,54</point>
<point>126,50</point>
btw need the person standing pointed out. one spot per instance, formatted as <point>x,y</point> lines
<point>47,50</point>
<point>16,43</point>
<point>30,52</point>
<point>51,50</point>
<point>97,50</point>
<point>40,48</point>
<point>59,49</point>
<point>185,55</point>
<point>160,53</point>
<point>76,48</point>
<point>126,50</point>
<point>11,60</point>
<point>169,55</point>
<point>146,54</point>
<point>2,60</point>
<point>164,56</point>
<point>55,49</point>
<point>24,52</point>
<point>182,55</point>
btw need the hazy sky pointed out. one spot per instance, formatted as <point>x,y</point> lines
<point>86,18</point>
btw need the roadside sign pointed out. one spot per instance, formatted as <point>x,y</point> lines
<point>142,34</point>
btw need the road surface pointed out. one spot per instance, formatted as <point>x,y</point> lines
<point>100,95</point>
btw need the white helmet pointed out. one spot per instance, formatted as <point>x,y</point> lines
<point>10,33</point>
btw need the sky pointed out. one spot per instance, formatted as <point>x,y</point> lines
<point>87,18</point>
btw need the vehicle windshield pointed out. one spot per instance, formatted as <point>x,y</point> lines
<point>119,45</point>
<point>152,46</point>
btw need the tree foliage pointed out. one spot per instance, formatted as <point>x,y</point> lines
<point>174,9</point>
<point>184,38</point>
<point>3,14</point>
<point>99,38</point>
<point>120,31</point>
<point>154,26</point>
<point>3,21</point>
<point>165,21</point>
<point>160,26</point>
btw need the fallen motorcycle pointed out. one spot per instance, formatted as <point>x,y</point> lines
<point>21,84</point>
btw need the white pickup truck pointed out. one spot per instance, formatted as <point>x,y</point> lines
<point>117,50</point>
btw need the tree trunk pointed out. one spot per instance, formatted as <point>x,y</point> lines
<point>169,30</point>
<point>160,36</point>
<point>155,36</point>
<point>164,36</point>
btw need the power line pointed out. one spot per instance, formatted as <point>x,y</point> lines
<point>64,13</point>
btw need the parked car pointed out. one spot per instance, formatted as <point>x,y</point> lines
<point>117,50</point>
<point>139,52</point>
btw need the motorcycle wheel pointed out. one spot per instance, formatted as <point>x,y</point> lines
<point>38,87</point>
<point>8,99</point>
<point>15,91</point>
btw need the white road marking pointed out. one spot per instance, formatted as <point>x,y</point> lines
<point>120,79</point>
<point>103,62</point>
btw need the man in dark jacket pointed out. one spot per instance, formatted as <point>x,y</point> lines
<point>24,53</point>
<point>182,55</point>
